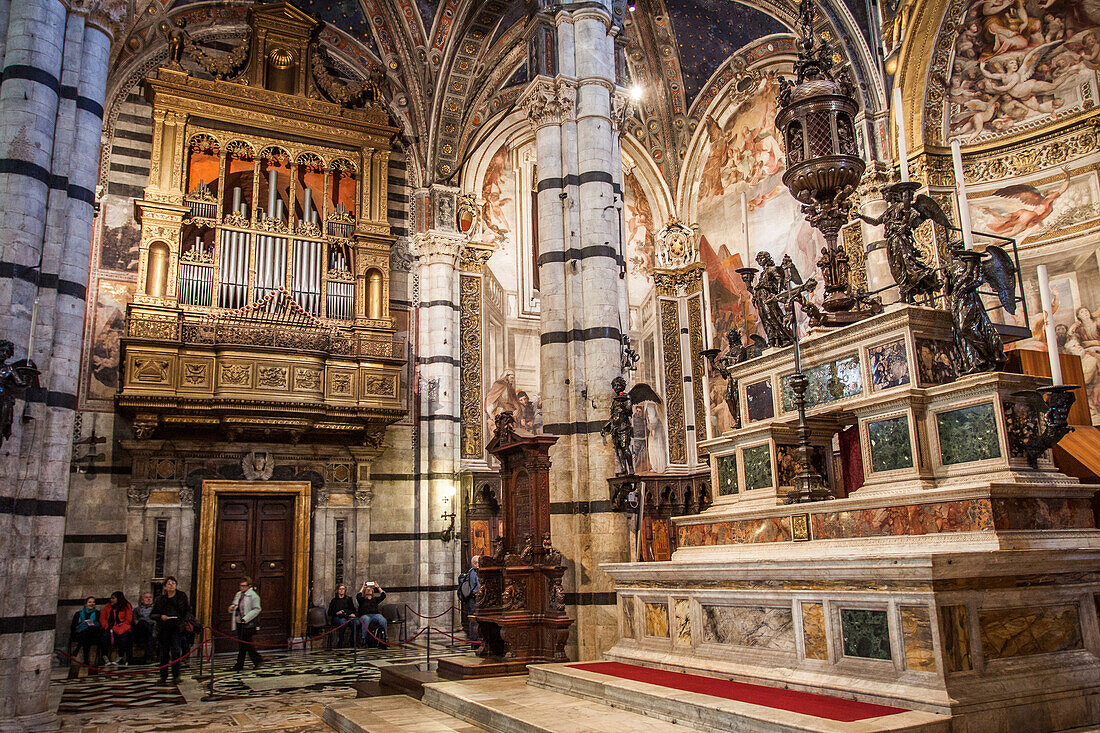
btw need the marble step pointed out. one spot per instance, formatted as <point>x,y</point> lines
<point>510,705</point>
<point>705,712</point>
<point>392,714</point>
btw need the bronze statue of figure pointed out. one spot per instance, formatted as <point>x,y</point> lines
<point>177,37</point>
<point>736,353</point>
<point>15,379</point>
<point>766,298</point>
<point>915,278</point>
<point>978,346</point>
<point>620,424</point>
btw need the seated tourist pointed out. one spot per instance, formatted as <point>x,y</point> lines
<point>85,631</point>
<point>115,621</point>
<point>144,628</point>
<point>341,609</point>
<point>369,597</point>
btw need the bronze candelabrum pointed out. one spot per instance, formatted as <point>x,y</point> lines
<point>816,118</point>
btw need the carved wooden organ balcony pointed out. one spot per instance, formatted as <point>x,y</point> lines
<point>263,284</point>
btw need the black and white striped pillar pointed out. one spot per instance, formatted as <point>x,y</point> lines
<point>582,305</point>
<point>51,108</point>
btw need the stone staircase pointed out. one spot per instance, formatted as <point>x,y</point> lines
<point>556,698</point>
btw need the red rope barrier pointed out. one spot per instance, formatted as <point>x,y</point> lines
<point>130,673</point>
<point>452,636</point>
<point>401,643</point>
<point>430,617</point>
<point>288,644</point>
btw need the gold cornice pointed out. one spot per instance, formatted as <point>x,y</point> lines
<point>314,118</point>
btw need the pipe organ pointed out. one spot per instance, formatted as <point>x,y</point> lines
<point>266,209</point>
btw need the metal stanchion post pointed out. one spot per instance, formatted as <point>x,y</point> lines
<point>355,644</point>
<point>210,696</point>
<point>428,659</point>
<point>202,649</point>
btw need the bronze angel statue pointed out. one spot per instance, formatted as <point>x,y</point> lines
<point>15,379</point>
<point>620,424</point>
<point>773,294</point>
<point>916,279</point>
<point>978,346</point>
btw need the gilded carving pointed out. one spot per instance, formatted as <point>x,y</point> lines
<point>674,283</point>
<point>695,339</point>
<point>307,379</point>
<point>470,349</point>
<point>674,381</point>
<point>341,383</point>
<point>151,327</point>
<point>236,374</point>
<point>857,256</point>
<point>272,376</point>
<point>380,386</point>
<point>195,373</point>
<point>150,370</point>
<point>1046,151</point>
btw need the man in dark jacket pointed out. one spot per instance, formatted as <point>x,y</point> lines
<point>341,609</point>
<point>170,611</point>
<point>369,597</point>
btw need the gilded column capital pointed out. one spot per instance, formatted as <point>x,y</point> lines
<point>474,256</point>
<point>549,101</point>
<point>435,247</point>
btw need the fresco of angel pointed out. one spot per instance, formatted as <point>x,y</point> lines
<point>1028,214</point>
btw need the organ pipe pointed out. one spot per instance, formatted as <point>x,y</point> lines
<point>272,180</point>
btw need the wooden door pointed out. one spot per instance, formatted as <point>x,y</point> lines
<point>254,537</point>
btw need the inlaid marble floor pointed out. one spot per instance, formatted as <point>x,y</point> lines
<point>288,694</point>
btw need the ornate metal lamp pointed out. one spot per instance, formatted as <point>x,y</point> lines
<point>817,120</point>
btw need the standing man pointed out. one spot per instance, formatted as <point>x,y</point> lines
<point>369,596</point>
<point>244,611</point>
<point>169,611</point>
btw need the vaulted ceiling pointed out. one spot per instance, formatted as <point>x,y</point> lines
<point>454,66</point>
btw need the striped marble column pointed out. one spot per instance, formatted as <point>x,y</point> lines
<point>438,366</point>
<point>582,309</point>
<point>51,102</point>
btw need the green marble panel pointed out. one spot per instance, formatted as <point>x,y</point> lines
<point>758,467</point>
<point>890,445</point>
<point>968,434</point>
<point>726,467</point>
<point>828,382</point>
<point>866,633</point>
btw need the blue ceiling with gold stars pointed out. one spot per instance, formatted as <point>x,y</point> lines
<point>710,31</point>
<point>347,15</point>
<point>427,12</point>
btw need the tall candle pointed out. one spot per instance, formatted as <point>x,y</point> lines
<point>1048,322</point>
<point>745,227</point>
<point>903,149</point>
<point>960,185</point>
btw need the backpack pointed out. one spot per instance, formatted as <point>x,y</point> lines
<point>465,588</point>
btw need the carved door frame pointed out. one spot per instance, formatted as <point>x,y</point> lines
<point>208,521</point>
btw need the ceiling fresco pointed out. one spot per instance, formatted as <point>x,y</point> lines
<point>451,65</point>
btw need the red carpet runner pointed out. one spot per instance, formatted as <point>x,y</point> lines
<point>807,703</point>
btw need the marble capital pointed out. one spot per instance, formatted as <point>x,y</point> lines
<point>436,247</point>
<point>549,101</point>
<point>107,15</point>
